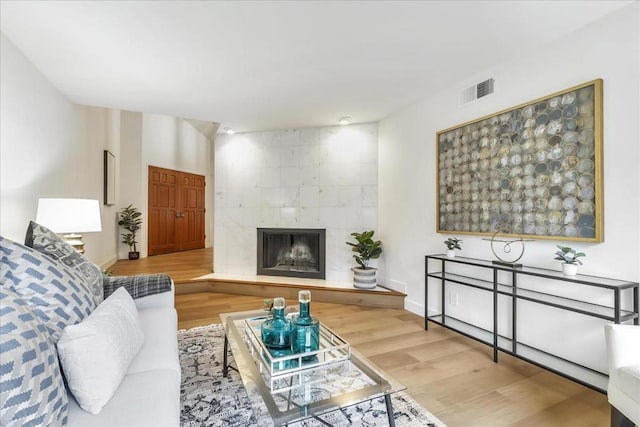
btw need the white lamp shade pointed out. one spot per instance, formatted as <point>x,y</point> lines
<point>69,215</point>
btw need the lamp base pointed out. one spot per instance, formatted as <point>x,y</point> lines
<point>75,240</point>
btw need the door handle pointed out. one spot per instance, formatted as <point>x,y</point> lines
<point>179,214</point>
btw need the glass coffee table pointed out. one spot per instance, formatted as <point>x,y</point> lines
<point>290,389</point>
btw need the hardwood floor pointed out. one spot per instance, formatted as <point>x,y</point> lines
<point>181,266</point>
<point>451,375</point>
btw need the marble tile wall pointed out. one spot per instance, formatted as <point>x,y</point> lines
<point>308,178</point>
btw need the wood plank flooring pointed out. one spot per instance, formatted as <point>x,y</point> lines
<point>451,375</point>
<point>182,266</point>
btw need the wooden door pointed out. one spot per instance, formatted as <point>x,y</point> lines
<point>176,211</point>
<point>192,212</point>
<point>163,211</point>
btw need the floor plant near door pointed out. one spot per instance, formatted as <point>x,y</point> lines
<point>364,277</point>
<point>130,220</point>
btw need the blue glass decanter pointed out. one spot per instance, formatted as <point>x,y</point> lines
<point>305,336</point>
<point>276,332</point>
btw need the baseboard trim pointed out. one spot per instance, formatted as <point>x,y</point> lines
<point>417,308</point>
<point>414,307</point>
<point>105,265</point>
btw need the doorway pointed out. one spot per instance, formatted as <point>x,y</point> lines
<point>176,211</point>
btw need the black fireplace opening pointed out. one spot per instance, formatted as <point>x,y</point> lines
<point>292,252</point>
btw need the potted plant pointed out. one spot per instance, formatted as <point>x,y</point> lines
<point>130,220</point>
<point>364,277</point>
<point>452,244</point>
<point>569,258</point>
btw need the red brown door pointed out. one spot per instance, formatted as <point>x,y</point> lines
<point>163,211</point>
<point>192,212</point>
<point>176,211</point>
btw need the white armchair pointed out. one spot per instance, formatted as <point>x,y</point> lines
<point>623,351</point>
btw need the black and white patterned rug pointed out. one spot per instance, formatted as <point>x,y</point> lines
<point>209,399</point>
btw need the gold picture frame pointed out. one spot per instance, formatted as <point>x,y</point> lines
<point>532,170</point>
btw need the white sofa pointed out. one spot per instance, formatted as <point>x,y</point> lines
<point>623,351</point>
<point>149,394</point>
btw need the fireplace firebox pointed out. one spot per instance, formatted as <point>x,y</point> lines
<point>292,252</point>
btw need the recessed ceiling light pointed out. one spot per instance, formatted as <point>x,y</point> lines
<point>229,131</point>
<point>344,120</point>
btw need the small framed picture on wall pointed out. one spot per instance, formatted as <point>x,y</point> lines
<point>109,178</point>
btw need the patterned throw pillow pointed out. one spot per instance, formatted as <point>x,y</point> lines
<point>49,243</point>
<point>31,386</point>
<point>56,293</point>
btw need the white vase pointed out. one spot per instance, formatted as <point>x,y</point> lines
<point>569,269</point>
<point>364,279</point>
<point>451,253</point>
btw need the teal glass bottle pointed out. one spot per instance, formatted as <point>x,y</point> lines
<point>276,332</point>
<point>305,336</point>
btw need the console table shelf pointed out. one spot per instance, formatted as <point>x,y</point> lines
<point>515,292</point>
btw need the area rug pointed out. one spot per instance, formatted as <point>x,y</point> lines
<point>209,399</point>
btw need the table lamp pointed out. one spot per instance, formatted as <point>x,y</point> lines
<point>71,216</point>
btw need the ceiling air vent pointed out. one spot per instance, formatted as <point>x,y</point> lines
<point>477,91</point>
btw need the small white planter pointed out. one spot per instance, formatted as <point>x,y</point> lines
<point>570,269</point>
<point>451,253</point>
<point>364,279</point>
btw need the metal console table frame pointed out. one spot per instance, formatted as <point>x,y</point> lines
<point>614,314</point>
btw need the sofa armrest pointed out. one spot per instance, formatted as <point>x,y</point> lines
<point>623,346</point>
<point>164,299</point>
<point>142,286</point>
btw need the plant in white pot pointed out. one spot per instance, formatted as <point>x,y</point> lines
<point>452,244</point>
<point>569,258</point>
<point>364,277</point>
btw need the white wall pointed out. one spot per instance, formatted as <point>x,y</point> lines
<point>608,49</point>
<point>132,176</point>
<point>308,178</point>
<point>162,141</point>
<point>49,148</point>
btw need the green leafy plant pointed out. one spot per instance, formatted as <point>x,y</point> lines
<point>130,220</point>
<point>107,272</point>
<point>267,304</point>
<point>453,243</point>
<point>568,255</point>
<point>366,248</point>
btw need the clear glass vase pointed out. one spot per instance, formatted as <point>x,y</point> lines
<point>276,332</point>
<point>305,336</point>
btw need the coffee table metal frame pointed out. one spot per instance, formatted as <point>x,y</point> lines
<point>382,383</point>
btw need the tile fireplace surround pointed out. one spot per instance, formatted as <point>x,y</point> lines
<point>301,178</point>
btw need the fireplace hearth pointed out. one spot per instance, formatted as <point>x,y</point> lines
<point>291,252</point>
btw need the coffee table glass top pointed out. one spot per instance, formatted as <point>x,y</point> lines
<point>297,394</point>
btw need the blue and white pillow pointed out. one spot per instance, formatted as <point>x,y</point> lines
<point>49,243</point>
<point>32,391</point>
<point>57,294</point>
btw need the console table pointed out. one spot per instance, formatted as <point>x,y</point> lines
<point>436,268</point>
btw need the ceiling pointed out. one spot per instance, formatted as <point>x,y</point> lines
<point>277,64</point>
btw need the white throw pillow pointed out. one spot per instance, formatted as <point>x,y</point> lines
<point>96,353</point>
